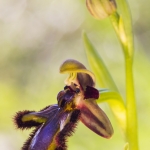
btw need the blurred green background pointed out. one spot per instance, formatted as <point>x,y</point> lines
<point>37,36</point>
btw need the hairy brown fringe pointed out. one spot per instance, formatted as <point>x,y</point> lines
<point>45,107</point>
<point>24,125</point>
<point>28,141</point>
<point>67,131</point>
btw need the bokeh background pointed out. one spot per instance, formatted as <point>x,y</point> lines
<point>37,36</point>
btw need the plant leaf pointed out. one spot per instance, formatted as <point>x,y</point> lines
<point>104,79</point>
<point>97,65</point>
<point>115,102</point>
<point>125,14</point>
<point>126,147</point>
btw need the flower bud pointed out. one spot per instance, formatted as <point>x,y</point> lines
<point>101,9</point>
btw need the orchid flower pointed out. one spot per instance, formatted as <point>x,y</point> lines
<point>77,102</point>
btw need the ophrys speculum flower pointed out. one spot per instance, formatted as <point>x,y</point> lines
<point>57,122</point>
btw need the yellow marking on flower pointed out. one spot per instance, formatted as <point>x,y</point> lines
<point>32,117</point>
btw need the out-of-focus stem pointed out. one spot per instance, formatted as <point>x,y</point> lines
<point>123,29</point>
<point>132,135</point>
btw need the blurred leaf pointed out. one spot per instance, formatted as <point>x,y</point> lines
<point>125,14</point>
<point>115,102</point>
<point>118,25</point>
<point>104,79</point>
<point>126,147</point>
<point>125,37</point>
<point>103,76</point>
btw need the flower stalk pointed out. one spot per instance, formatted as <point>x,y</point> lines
<point>122,24</point>
<point>132,135</point>
<point>123,27</point>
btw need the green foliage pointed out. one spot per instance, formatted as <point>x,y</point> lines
<point>123,26</point>
<point>37,36</point>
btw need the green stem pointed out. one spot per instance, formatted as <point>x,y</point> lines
<point>118,26</point>
<point>132,135</point>
<point>123,28</point>
<point>125,14</point>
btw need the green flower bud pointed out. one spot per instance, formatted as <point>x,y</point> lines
<point>101,9</point>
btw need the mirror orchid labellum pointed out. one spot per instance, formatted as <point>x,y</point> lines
<point>77,102</point>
